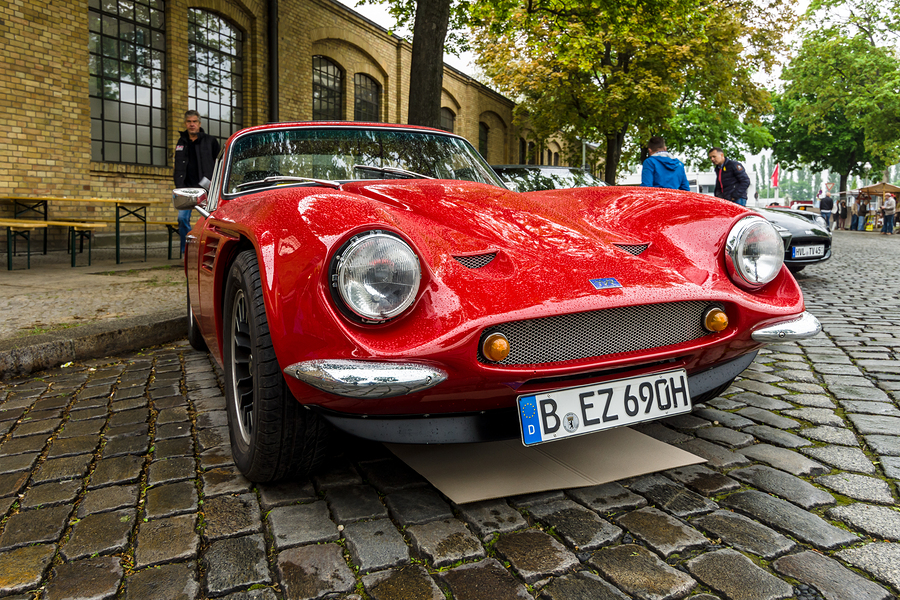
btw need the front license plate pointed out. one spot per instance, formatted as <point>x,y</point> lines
<point>575,411</point>
<point>807,251</point>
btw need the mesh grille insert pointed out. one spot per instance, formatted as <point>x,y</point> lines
<point>633,248</point>
<point>477,261</point>
<point>599,333</point>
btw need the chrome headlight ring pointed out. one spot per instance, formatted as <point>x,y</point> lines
<point>376,276</point>
<point>754,253</point>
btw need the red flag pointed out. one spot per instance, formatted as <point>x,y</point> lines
<point>775,175</point>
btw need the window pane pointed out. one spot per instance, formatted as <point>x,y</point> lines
<point>212,48</point>
<point>483,130</point>
<point>120,86</point>
<point>367,100</point>
<point>448,120</point>
<point>328,90</point>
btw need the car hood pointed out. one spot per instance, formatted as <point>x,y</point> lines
<point>544,251</point>
<point>799,226</point>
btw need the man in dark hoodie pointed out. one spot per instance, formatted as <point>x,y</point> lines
<point>195,156</point>
<point>732,180</point>
<point>661,169</point>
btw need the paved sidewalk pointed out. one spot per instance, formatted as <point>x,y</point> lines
<point>54,313</point>
<point>116,481</point>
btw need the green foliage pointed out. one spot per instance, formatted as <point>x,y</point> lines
<point>841,106</point>
<point>404,15</point>
<point>621,71</point>
<point>835,142</point>
<point>694,129</point>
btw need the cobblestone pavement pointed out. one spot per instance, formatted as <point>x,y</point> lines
<point>116,481</point>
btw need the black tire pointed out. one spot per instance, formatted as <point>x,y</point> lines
<point>794,269</point>
<point>195,339</point>
<point>272,436</point>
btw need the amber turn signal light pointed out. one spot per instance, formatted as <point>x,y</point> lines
<point>715,319</point>
<point>495,347</point>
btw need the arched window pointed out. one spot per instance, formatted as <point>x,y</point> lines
<point>367,98</point>
<point>127,45</point>
<point>328,90</point>
<point>483,131</point>
<point>532,155</point>
<point>215,73</point>
<point>556,159</point>
<point>523,151</point>
<point>448,120</point>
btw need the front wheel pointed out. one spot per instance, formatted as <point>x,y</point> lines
<point>272,436</point>
<point>796,269</point>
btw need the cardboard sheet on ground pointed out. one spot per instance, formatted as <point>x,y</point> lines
<point>472,472</point>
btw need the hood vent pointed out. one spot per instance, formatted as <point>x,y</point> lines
<point>476,261</point>
<point>635,249</point>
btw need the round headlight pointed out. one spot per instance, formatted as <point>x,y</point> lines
<point>820,221</point>
<point>377,276</point>
<point>754,253</point>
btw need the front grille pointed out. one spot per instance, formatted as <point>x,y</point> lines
<point>600,333</point>
<point>635,249</point>
<point>477,261</point>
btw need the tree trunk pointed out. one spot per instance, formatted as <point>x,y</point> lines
<point>614,142</point>
<point>845,177</point>
<point>426,73</point>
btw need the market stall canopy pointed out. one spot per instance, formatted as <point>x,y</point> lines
<point>880,189</point>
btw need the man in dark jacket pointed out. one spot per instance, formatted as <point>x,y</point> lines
<point>826,206</point>
<point>195,156</point>
<point>732,180</point>
<point>661,169</point>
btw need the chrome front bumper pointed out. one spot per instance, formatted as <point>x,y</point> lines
<point>364,379</point>
<point>803,327</point>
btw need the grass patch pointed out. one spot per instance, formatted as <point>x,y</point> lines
<point>47,329</point>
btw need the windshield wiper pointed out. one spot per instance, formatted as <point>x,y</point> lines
<point>391,171</point>
<point>287,179</point>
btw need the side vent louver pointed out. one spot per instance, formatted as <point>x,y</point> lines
<point>477,261</point>
<point>634,249</point>
<point>209,252</point>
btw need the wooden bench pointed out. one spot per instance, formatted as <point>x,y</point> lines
<point>19,228</point>
<point>171,227</point>
<point>124,208</point>
<point>77,230</point>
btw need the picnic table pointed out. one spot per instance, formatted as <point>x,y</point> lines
<point>125,208</point>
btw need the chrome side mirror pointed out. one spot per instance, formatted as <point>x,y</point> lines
<point>188,198</point>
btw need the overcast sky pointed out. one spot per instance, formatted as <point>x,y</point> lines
<point>379,14</point>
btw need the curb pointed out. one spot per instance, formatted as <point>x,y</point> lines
<point>23,356</point>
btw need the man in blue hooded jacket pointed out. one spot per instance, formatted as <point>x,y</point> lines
<point>661,169</point>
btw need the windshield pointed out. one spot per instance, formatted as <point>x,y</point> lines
<point>333,153</point>
<point>533,179</point>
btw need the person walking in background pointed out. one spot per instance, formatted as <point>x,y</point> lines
<point>854,214</point>
<point>661,169</point>
<point>863,212</point>
<point>195,157</point>
<point>888,209</point>
<point>732,180</point>
<point>842,214</point>
<point>826,206</point>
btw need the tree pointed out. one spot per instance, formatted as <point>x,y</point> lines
<point>620,71</point>
<point>434,23</point>
<point>843,83</point>
<point>834,143</point>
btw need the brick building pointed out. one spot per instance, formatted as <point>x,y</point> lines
<point>93,92</point>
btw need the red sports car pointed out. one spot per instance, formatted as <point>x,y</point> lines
<point>381,280</point>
